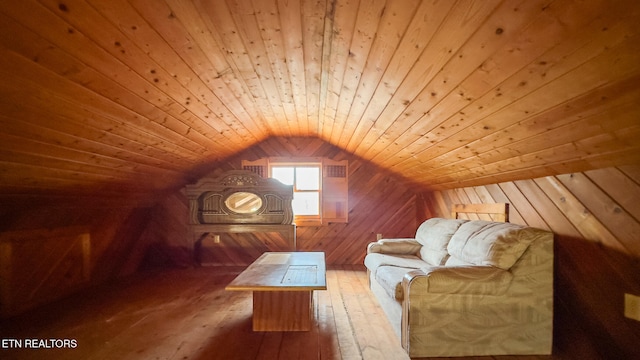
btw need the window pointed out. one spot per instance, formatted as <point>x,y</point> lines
<point>305,179</point>
<point>320,186</point>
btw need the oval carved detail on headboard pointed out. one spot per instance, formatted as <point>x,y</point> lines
<point>240,197</point>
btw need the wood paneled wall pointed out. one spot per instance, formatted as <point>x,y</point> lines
<point>48,265</point>
<point>595,216</point>
<point>128,235</point>
<point>30,276</point>
<point>379,202</point>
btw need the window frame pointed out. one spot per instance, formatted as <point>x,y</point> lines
<point>302,220</point>
<point>334,186</point>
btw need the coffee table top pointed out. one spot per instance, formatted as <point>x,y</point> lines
<point>283,271</point>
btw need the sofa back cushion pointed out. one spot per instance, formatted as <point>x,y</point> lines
<point>491,243</point>
<point>434,235</point>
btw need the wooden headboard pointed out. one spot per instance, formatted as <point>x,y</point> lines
<point>499,212</point>
<point>239,197</point>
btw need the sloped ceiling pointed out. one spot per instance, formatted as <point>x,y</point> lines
<point>134,95</point>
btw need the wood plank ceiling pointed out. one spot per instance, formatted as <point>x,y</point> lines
<point>134,95</point>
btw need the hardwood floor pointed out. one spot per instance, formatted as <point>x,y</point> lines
<point>187,314</point>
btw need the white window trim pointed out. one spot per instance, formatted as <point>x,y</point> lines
<point>302,220</point>
<point>334,205</point>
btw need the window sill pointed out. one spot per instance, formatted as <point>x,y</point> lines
<point>307,222</point>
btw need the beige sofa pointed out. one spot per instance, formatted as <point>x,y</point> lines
<point>467,288</point>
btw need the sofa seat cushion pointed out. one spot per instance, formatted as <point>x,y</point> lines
<point>490,243</point>
<point>388,270</point>
<point>434,236</point>
<point>471,280</point>
<point>375,260</point>
<point>390,279</point>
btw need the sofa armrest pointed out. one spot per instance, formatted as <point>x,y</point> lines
<point>472,280</point>
<point>401,246</point>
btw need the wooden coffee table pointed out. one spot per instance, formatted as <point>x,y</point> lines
<point>282,285</point>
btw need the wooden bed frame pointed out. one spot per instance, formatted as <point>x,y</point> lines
<point>499,211</point>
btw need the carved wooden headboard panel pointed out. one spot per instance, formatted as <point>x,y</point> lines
<point>499,212</point>
<point>240,197</point>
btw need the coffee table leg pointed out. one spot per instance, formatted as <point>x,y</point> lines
<point>282,310</point>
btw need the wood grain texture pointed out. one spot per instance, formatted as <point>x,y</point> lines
<point>596,249</point>
<point>107,109</point>
<point>197,319</point>
<point>283,271</point>
<point>493,211</point>
<point>282,284</point>
<point>379,202</point>
<point>40,266</point>
<point>282,310</point>
<point>128,98</point>
<point>50,265</point>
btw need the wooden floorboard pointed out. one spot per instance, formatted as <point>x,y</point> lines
<point>186,314</point>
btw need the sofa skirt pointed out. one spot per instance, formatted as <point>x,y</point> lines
<point>392,308</point>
